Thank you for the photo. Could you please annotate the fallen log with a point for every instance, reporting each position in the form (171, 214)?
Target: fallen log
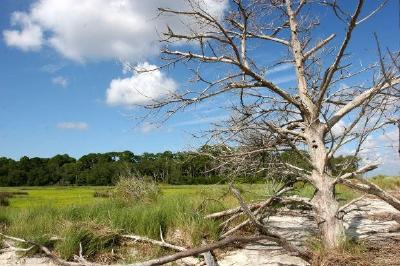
(202, 249)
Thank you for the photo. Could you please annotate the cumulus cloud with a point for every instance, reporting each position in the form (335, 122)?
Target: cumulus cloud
(140, 88)
(73, 125)
(98, 29)
(30, 35)
(60, 81)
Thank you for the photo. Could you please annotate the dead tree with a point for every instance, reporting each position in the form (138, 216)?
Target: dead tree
(267, 118)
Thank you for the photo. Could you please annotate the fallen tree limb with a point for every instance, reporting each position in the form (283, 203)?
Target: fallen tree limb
(208, 257)
(153, 241)
(370, 188)
(275, 237)
(47, 252)
(233, 211)
(264, 204)
(12, 248)
(342, 210)
(202, 249)
(284, 200)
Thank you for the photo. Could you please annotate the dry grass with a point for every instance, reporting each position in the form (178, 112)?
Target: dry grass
(360, 254)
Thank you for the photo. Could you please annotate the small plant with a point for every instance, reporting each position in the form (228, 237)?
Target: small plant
(4, 221)
(102, 194)
(4, 201)
(133, 189)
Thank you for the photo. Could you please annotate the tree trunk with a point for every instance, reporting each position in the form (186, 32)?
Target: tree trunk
(327, 207)
(325, 203)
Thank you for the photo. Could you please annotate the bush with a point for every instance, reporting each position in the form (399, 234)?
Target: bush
(136, 189)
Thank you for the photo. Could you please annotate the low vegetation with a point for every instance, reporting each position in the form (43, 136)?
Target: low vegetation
(131, 189)
(178, 213)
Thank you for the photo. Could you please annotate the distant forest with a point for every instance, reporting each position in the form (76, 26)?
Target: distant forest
(101, 169)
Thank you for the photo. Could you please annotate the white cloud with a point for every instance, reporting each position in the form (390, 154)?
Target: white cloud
(147, 127)
(52, 68)
(60, 81)
(383, 149)
(280, 68)
(98, 29)
(140, 88)
(30, 37)
(284, 79)
(73, 125)
(339, 128)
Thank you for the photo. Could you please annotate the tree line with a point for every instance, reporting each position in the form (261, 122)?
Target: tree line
(99, 169)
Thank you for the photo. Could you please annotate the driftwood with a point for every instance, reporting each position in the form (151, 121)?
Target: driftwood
(370, 188)
(202, 249)
(233, 211)
(262, 206)
(153, 241)
(208, 256)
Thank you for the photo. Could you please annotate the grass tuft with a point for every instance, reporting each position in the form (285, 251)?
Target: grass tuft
(94, 239)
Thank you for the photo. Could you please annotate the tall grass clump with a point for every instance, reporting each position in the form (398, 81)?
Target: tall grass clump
(92, 237)
(132, 189)
(4, 221)
(37, 224)
(4, 199)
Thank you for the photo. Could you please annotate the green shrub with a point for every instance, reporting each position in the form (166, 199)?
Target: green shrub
(136, 189)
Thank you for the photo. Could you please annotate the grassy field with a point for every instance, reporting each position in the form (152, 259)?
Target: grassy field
(74, 214)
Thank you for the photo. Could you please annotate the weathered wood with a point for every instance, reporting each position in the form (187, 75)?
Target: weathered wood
(363, 185)
(202, 249)
(153, 241)
(233, 211)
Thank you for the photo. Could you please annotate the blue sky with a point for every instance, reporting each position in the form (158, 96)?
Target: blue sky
(54, 79)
